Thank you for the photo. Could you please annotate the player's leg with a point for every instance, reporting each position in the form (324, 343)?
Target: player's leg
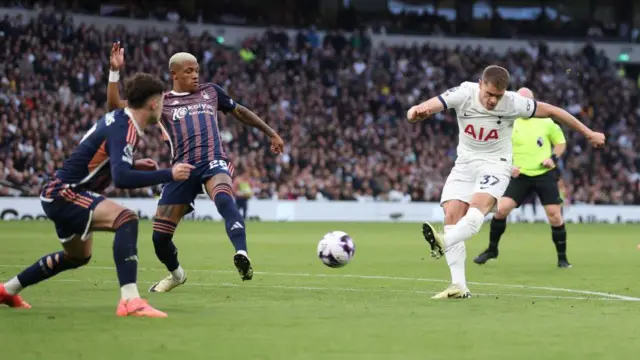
(76, 253)
(549, 194)
(518, 190)
(172, 207)
(72, 216)
(241, 203)
(455, 197)
(220, 189)
(109, 216)
(489, 186)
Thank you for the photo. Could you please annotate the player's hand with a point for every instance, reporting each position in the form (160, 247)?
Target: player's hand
(548, 163)
(277, 145)
(596, 139)
(418, 112)
(515, 172)
(145, 165)
(181, 171)
(117, 57)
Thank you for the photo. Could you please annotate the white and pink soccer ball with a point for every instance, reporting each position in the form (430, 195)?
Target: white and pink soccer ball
(336, 249)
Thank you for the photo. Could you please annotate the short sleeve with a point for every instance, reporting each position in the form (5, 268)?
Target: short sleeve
(524, 107)
(225, 102)
(455, 97)
(555, 134)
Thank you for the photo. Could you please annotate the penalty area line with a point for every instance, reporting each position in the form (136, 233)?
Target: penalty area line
(584, 293)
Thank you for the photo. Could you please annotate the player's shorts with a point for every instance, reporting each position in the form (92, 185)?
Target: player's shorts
(477, 176)
(185, 192)
(71, 212)
(545, 186)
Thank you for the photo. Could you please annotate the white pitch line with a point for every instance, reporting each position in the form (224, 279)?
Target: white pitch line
(394, 278)
(364, 290)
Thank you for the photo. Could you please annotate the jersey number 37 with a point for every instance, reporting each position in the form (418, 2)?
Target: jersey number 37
(480, 134)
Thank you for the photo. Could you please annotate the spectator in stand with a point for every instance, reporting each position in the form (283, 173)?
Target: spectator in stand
(340, 102)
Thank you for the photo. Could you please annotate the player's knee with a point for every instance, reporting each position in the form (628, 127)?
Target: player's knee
(452, 217)
(222, 195)
(126, 219)
(163, 228)
(555, 217)
(78, 261)
(501, 214)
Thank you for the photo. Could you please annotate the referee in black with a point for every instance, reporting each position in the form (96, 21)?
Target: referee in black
(535, 172)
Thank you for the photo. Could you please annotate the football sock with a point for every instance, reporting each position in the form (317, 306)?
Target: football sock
(559, 236)
(456, 257)
(125, 252)
(497, 228)
(468, 226)
(165, 249)
(234, 224)
(48, 266)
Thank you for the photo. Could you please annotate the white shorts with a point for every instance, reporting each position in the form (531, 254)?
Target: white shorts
(477, 176)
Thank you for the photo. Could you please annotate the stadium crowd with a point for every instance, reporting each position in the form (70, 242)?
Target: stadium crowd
(339, 103)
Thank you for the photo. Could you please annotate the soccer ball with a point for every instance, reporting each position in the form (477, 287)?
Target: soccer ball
(336, 249)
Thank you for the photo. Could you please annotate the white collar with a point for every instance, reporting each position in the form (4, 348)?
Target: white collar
(133, 120)
(179, 93)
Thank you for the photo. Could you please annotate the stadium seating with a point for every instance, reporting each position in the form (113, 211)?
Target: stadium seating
(341, 113)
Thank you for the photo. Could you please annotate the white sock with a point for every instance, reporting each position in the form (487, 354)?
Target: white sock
(468, 226)
(13, 286)
(178, 274)
(456, 257)
(129, 291)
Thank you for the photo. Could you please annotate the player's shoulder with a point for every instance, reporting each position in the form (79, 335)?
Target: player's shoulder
(121, 122)
(466, 87)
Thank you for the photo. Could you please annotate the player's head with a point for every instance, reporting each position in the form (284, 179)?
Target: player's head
(493, 84)
(185, 72)
(145, 94)
(525, 92)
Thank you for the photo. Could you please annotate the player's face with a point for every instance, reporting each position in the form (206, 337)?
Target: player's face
(490, 95)
(187, 75)
(155, 109)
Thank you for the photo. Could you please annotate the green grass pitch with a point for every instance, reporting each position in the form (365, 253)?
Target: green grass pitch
(377, 307)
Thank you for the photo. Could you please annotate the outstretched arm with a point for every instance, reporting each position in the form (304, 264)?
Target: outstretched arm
(248, 117)
(113, 93)
(547, 110)
(426, 109)
(450, 99)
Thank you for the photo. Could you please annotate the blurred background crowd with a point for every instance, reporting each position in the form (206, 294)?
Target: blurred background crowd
(338, 101)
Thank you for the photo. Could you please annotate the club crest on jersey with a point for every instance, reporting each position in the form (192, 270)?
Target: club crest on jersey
(205, 96)
(128, 154)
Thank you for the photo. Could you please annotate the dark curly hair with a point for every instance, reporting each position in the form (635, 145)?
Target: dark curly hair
(140, 87)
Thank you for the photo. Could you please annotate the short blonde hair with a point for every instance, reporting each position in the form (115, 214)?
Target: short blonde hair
(179, 58)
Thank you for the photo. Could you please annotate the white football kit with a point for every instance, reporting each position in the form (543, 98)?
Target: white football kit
(484, 148)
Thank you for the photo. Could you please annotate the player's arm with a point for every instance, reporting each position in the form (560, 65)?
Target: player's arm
(543, 110)
(122, 170)
(248, 117)
(450, 99)
(113, 93)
